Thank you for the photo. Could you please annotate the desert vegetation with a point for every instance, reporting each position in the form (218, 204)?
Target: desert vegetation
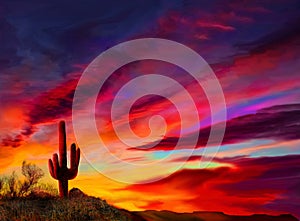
(29, 185)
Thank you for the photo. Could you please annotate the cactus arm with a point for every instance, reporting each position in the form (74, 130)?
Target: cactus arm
(71, 174)
(77, 157)
(55, 165)
(62, 145)
(74, 161)
(73, 156)
(51, 168)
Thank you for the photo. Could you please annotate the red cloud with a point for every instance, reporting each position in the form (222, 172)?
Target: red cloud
(214, 25)
(252, 186)
(53, 104)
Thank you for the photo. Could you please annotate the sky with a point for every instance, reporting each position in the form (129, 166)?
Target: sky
(253, 48)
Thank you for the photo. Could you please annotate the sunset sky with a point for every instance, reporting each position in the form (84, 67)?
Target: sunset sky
(253, 47)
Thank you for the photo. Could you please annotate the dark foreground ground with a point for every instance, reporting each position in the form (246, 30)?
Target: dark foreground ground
(81, 207)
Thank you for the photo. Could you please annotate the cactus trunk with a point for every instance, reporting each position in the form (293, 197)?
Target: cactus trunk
(63, 188)
(58, 167)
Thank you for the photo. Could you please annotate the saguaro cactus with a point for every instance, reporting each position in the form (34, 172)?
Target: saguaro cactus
(59, 169)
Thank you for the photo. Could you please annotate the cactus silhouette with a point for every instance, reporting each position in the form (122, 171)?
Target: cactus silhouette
(59, 169)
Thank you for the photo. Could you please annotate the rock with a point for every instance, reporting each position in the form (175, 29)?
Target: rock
(76, 193)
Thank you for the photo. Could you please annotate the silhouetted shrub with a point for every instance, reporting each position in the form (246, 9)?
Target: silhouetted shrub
(12, 187)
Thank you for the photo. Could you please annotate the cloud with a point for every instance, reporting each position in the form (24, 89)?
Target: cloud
(251, 185)
(43, 47)
(46, 54)
(16, 140)
(277, 123)
(53, 104)
(286, 34)
(11, 141)
(214, 25)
